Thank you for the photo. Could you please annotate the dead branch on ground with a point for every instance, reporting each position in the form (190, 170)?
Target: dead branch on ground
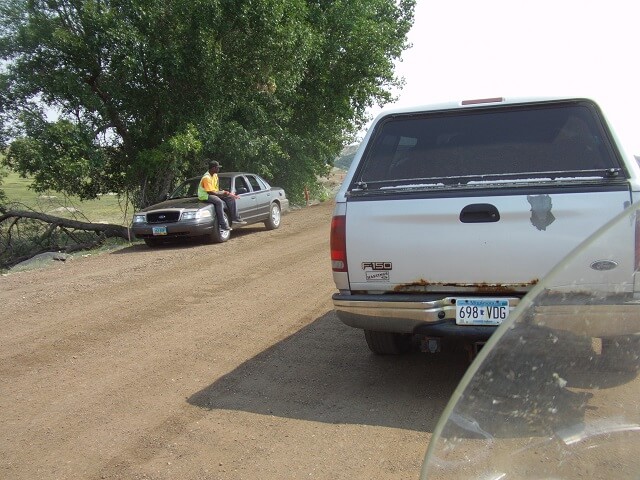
(25, 233)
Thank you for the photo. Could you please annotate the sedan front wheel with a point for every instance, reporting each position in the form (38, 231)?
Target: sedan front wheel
(152, 242)
(218, 235)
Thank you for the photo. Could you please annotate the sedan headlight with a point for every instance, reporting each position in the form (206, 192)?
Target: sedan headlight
(139, 218)
(195, 214)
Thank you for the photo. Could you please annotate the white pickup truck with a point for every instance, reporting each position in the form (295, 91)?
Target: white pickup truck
(450, 214)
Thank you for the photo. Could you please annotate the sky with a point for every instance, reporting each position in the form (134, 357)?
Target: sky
(465, 49)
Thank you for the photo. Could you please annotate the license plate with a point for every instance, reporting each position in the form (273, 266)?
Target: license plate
(159, 230)
(481, 311)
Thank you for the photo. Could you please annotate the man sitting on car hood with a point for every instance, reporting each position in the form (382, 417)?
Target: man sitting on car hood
(209, 191)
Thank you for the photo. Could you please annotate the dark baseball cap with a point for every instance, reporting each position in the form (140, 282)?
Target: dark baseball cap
(214, 163)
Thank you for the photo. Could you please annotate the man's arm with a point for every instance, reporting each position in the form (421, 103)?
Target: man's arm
(221, 193)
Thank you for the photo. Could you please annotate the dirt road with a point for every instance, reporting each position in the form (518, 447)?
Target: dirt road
(206, 362)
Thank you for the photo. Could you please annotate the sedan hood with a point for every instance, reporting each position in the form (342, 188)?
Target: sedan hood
(189, 202)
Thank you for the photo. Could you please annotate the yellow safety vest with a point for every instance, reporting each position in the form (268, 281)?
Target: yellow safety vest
(208, 183)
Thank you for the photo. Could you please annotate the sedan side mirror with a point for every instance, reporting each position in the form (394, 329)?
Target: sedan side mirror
(241, 190)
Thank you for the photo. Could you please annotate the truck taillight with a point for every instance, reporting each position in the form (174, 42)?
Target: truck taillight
(338, 241)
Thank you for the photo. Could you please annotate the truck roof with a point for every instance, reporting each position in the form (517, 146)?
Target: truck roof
(477, 102)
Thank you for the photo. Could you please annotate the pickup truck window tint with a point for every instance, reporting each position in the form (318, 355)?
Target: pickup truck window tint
(467, 146)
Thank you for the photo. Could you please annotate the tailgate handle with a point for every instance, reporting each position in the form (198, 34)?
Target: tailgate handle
(479, 213)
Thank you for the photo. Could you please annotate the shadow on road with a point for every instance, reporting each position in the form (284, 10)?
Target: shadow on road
(326, 373)
(187, 242)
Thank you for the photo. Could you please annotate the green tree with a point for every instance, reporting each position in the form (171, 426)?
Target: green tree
(127, 96)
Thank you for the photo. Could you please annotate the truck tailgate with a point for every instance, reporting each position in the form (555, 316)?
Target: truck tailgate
(435, 250)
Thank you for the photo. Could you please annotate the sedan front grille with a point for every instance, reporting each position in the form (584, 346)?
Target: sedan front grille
(163, 217)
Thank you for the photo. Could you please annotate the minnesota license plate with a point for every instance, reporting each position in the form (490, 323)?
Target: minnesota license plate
(159, 230)
(481, 311)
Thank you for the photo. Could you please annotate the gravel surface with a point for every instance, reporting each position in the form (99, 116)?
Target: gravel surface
(203, 361)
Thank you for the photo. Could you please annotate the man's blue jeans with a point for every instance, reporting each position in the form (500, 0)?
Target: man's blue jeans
(218, 205)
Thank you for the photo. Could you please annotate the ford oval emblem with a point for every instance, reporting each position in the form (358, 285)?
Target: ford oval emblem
(603, 265)
(162, 217)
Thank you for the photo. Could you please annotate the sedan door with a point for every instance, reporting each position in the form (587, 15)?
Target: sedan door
(263, 195)
(247, 203)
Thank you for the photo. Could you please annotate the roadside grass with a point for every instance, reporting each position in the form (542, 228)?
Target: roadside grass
(106, 209)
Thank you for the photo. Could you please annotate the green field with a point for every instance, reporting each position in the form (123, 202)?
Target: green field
(106, 209)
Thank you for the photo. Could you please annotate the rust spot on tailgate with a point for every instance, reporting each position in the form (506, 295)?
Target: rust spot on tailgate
(488, 288)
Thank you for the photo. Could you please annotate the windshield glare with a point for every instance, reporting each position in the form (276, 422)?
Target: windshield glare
(555, 392)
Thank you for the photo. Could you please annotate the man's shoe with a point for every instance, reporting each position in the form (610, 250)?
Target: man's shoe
(226, 229)
(239, 222)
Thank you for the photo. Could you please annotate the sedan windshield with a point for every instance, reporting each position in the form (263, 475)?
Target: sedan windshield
(186, 189)
(189, 188)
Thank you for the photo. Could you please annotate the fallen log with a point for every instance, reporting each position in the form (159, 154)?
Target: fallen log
(108, 230)
(48, 239)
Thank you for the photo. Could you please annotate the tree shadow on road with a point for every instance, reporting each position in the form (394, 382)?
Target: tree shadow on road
(326, 373)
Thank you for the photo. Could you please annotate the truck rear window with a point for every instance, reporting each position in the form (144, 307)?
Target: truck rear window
(541, 142)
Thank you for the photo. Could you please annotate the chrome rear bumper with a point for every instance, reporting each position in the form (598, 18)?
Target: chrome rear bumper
(400, 313)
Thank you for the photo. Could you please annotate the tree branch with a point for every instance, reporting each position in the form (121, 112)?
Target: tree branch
(108, 230)
(69, 227)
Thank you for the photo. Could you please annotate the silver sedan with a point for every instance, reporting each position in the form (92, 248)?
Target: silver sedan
(182, 215)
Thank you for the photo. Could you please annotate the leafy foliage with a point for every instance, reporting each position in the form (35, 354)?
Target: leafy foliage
(143, 91)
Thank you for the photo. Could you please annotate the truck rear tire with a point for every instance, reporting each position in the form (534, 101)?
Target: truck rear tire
(388, 343)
